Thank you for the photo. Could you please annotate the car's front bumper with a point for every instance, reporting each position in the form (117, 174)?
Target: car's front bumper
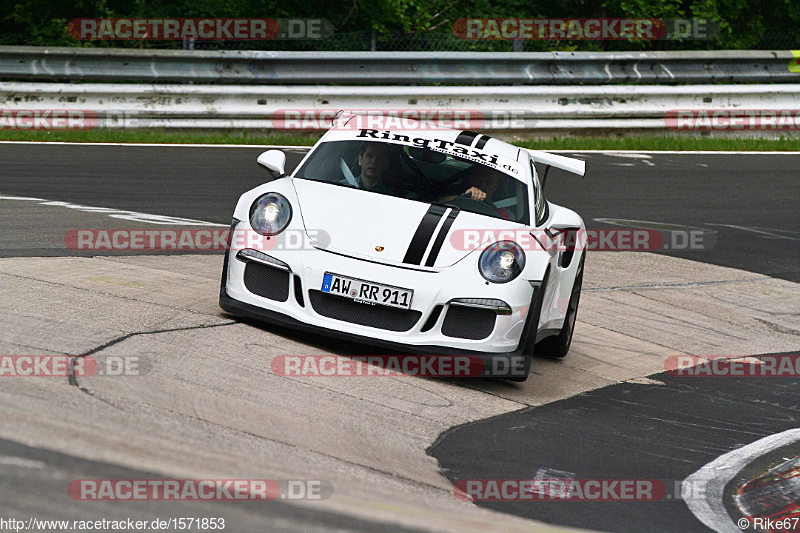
(501, 351)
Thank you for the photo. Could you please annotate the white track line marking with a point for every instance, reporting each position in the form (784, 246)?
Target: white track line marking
(120, 213)
(644, 381)
(649, 224)
(770, 233)
(710, 510)
(21, 462)
(631, 155)
(23, 198)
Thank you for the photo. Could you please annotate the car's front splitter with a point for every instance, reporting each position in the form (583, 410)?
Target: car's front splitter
(510, 365)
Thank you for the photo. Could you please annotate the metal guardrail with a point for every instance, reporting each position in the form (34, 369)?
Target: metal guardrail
(311, 107)
(401, 68)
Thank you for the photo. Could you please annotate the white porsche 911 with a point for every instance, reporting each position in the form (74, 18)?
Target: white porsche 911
(423, 241)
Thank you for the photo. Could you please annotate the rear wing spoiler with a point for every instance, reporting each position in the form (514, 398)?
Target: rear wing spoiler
(576, 166)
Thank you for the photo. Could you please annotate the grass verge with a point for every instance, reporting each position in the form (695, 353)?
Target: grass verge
(671, 143)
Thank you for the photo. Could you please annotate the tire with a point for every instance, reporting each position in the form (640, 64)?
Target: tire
(520, 379)
(557, 346)
(531, 328)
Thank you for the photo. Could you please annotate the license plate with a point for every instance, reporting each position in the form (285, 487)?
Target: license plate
(367, 292)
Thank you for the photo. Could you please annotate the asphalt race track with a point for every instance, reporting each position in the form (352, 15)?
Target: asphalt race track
(207, 405)
(663, 431)
(746, 204)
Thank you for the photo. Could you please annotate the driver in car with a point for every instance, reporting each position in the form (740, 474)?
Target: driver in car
(483, 184)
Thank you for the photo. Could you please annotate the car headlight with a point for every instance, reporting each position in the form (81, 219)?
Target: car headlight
(270, 214)
(502, 261)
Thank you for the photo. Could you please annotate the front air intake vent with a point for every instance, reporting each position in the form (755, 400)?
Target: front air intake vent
(468, 322)
(266, 281)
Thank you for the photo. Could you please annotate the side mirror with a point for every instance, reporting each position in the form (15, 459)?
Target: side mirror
(564, 219)
(274, 161)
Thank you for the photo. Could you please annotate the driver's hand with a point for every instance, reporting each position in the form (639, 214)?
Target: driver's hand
(476, 194)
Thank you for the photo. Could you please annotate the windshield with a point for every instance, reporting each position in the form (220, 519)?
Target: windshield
(418, 174)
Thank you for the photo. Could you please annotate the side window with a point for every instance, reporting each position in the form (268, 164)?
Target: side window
(538, 196)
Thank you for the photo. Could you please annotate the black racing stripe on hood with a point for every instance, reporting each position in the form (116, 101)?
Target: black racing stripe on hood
(466, 138)
(437, 244)
(421, 238)
(482, 142)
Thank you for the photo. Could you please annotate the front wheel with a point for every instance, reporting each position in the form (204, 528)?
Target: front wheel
(528, 338)
(558, 345)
